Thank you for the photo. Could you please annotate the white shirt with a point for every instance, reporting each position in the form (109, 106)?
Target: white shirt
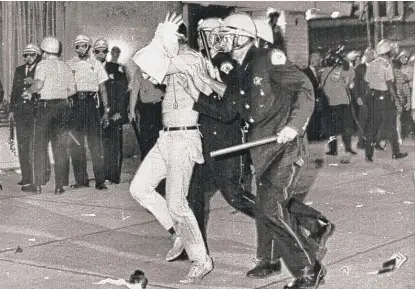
(57, 78)
(88, 73)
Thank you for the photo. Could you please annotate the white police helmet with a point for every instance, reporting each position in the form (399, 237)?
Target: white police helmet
(32, 48)
(100, 43)
(383, 47)
(82, 39)
(50, 44)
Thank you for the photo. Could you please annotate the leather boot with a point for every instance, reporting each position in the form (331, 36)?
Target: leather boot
(264, 269)
(311, 276)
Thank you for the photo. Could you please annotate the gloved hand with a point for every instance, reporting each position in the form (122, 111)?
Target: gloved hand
(287, 134)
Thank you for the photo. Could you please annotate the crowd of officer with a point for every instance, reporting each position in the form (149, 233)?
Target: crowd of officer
(238, 88)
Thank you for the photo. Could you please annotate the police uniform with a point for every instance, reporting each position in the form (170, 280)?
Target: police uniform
(359, 91)
(221, 130)
(380, 106)
(52, 119)
(24, 118)
(88, 74)
(281, 96)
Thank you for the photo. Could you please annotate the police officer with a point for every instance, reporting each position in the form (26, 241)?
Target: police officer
(115, 54)
(21, 112)
(90, 77)
(223, 173)
(380, 100)
(54, 83)
(116, 87)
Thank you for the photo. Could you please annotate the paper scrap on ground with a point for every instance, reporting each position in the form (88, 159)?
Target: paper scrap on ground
(345, 270)
(359, 206)
(32, 240)
(124, 217)
(408, 202)
(18, 171)
(394, 262)
(365, 174)
(379, 191)
(88, 215)
(333, 165)
(309, 203)
(119, 282)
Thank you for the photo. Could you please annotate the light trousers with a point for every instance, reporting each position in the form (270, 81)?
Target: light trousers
(173, 157)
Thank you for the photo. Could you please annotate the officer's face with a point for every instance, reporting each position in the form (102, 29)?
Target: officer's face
(82, 49)
(101, 54)
(30, 58)
(115, 55)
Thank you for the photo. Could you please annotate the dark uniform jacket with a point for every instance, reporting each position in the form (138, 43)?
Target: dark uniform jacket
(281, 95)
(220, 119)
(20, 84)
(117, 86)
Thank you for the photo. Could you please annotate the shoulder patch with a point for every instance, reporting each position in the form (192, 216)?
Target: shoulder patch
(120, 69)
(226, 67)
(278, 57)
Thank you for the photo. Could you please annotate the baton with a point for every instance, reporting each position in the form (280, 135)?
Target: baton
(205, 45)
(244, 146)
(74, 138)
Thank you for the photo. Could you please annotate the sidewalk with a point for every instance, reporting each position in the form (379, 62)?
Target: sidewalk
(83, 236)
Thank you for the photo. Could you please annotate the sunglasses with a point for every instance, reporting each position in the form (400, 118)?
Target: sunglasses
(79, 46)
(26, 55)
(98, 51)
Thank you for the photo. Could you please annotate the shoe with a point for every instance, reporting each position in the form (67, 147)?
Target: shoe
(32, 189)
(59, 190)
(351, 151)
(1, 187)
(264, 269)
(360, 145)
(378, 147)
(23, 183)
(311, 277)
(78, 185)
(198, 271)
(176, 250)
(399, 156)
(101, 186)
(369, 159)
(331, 153)
(321, 237)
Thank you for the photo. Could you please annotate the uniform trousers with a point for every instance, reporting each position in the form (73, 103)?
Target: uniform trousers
(113, 156)
(24, 134)
(52, 122)
(341, 122)
(173, 157)
(276, 223)
(86, 123)
(381, 121)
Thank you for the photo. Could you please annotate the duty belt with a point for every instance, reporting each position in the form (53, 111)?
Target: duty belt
(85, 94)
(175, 128)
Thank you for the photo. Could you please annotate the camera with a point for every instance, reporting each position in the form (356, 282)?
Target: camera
(333, 57)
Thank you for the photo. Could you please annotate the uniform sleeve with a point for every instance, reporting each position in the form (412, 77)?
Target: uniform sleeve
(14, 95)
(40, 73)
(303, 106)
(102, 74)
(71, 89)
(389, 73)
(220, 109)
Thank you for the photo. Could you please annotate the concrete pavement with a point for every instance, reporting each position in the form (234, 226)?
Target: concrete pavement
(83, 236)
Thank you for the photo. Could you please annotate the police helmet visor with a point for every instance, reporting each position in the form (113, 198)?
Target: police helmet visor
(81, 46)
(27, 55)
(101, 51)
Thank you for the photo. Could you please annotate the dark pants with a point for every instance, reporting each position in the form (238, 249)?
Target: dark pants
(52, 122)
(279, 216)
(381, 121)
(113, 141)
(86, 123)
(341, 122)
(223, 174)
(24, 134)
(363, 121)
(150, 125)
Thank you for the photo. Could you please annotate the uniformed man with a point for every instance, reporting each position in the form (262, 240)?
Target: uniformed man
(223, 173)
(178, 148)
(90, 77)
(115, 54)
(21, 112)
(380, 100)
(54, 83)
(116, 87)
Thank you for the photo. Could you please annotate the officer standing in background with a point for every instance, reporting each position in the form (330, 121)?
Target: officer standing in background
(380, 100)
(116, 87)
(53, 84)
(146, 97)
(90, 77)
(115, 54)
(21, 112)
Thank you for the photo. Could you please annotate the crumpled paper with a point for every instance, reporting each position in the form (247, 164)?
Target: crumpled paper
(119, 282)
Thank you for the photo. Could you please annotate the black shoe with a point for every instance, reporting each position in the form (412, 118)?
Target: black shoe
(311, 278)
(78, 185)
(378, 147)
(59, 190)
(399, 156)
(369, 159)
(32, 189)
(264, 269)
(1, 187)
(329, 153)
(23, 183)
(360, 145)
(351, 151)
(101, 186)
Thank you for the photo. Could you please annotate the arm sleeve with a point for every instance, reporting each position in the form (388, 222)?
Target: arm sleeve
(221, 110)
(389, 74)
(40, 73)
(102, 74)
(70, 82)
(303, 107)
(13, 95)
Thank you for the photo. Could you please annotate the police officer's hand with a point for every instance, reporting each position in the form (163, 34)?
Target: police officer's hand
(131, 117)
(105, 120)
(116, 116)
(11, 117)
(359, 101)
(407, 106)
(287, 134)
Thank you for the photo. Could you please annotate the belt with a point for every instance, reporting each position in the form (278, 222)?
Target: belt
(85, 94)
(173, 128)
